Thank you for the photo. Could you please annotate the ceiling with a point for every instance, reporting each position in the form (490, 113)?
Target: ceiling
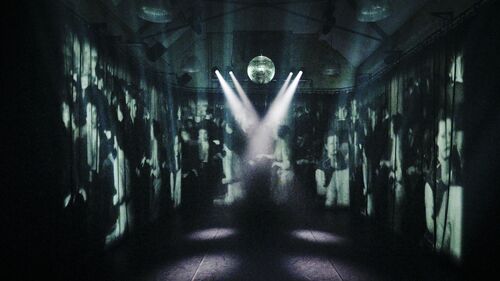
(354, 40)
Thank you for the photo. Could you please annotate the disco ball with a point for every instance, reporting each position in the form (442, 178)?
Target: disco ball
(261, 70)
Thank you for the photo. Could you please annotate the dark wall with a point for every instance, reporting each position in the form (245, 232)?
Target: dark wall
(32, 166)
(482, 178)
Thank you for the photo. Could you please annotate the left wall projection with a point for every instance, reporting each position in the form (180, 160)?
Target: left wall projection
(116, 135)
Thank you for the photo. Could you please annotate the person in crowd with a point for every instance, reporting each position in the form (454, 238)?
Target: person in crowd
(232, 165)
(154, 162)
(370, 148)
(207, 165)
(443, 196)
(135, 150)
(190, 169)
(105, 213)
(413, 224)
(381, 157)
(304, 163)
(176, 173)
(282, 173)
(121, 176)
(93, 136)
(397, 192)
(332, 175)
(356, 151)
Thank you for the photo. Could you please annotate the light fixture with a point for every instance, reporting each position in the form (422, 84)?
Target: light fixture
(373, 10)
(261, 70)
(331, 68)
(156, 11)
(191, 64)
(213, 72)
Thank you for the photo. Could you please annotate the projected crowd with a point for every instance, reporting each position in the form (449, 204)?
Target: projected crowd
(136, 149)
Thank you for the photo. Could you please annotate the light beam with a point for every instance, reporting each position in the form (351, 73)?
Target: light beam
(244, 98)
(235, 104)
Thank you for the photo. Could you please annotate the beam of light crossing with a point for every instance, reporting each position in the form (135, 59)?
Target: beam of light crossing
(261, 142)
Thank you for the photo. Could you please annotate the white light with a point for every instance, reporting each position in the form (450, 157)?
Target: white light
(235, 105)
(262, 140)
(250, 110)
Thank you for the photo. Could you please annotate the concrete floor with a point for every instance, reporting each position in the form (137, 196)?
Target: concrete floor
(265, 242)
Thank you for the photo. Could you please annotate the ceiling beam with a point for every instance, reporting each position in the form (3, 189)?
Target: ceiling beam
(279, 8)
(209, 18)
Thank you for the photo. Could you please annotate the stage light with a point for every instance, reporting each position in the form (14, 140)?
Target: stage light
(373, 10)
(156, 11)
(213, 72)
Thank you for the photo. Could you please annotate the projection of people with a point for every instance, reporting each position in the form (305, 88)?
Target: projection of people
(304, 163)
(356, 153)
(121, 179)
(282, 175)
(176, 174)
(332, 175)
(154, 167)
(232, 165)
(76, 58)
(370, 148)
(102, 195)
(190, 190)
(207, 165)
(67, 174)
(282, 172)
(413, 221)
(303, 149)
(381, 158)
(93, 137)
(395, 166)
(443, 196)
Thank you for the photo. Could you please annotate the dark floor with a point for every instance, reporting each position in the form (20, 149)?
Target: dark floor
(265, 242)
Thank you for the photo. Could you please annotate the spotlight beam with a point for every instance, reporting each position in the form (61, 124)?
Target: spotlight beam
(281, 103)
(244, 98)
(235, 104)
(261, 142)
(281, 92)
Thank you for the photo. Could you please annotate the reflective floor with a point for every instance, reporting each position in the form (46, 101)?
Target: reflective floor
(266, 242)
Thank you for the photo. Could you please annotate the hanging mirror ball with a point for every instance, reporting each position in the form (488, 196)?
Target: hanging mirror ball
(261, 70)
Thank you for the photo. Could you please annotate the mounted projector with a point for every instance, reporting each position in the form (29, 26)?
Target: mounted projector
(156, 11)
